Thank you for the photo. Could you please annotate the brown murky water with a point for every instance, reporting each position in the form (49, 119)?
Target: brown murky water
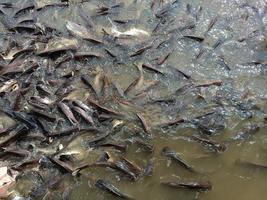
(238, 103)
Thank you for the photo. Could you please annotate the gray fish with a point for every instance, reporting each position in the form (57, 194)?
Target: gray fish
(105, 185)
(81, 32)
(166, 151)
(68, 113)
(83, 114)
(200, 186)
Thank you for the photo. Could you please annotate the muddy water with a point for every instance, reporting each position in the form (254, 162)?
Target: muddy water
(239, 102)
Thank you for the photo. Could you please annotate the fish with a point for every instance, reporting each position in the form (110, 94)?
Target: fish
(9, 86)
(56, 45)
(246, 132)
(82, 54)
(21, 117)
(120, 147)
(107, 186)
(14, 134)
(68, 113)
(165, 9)
(86, 18)
(137, 82)
(133, 32)
(145, 126)
(195, 38)
(162, 59)
(125, 169)
(102, 108)
(216, 146)
(83, 106)
(83, 114)
(151, 68)
(86, 80)
(148, 171)
(200, 186)
(145, 145)
(250, 164)
(222, 62)
(210, 83)
(65, 132)
(43, 114)
(211, 24)
(40, 5)
(141, 50)
(176, 121)
(168, 152)
(134, 167)
(63, 166)
(81, 32)
(93, 142)
(14, 152)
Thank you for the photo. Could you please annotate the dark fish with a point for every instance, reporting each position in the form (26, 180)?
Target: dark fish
(132, 85)
(82, 105)
(250, 164)
(145, 145)
(148, 171)
(192, 37)
(120, 147)
(96, 140)
(22, 117)
(104, 185)
(4, 131)
(246, 132)
(216, 146)
(86, 18)
(53, 4)
(188, 8)
(68, 113)
(198, 13)
(124, 168)
(151, 68)
(19, 131)
(165, 9)
(82, 54)
(210, 83)
(141, 50)
(105, 87)
(86, 80)
(14, 152)
(174, 70)
(218, 43)
(211, 24)
(111, 53)
(82, 32)
(200, 186)
(65, 132)
(163, 58)
(63, 166)
(145, 126)
(43, 126)
(222, 62)
(166, 151)
(66, 194)
(25, 163)
(43, 114)
(83, 114)
(201, 52)
(102, 108)
(27, 5)
(178, 120)
(134, 167)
